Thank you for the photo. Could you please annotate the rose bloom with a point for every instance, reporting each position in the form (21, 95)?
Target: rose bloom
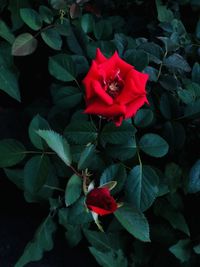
(114, 89)
(100, 201)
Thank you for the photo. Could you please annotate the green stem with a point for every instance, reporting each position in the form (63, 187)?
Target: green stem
(139, 158)
(39, 152)
(44, 29)
(161, 65)
(75, 171)
(54, 188)
(77, 84)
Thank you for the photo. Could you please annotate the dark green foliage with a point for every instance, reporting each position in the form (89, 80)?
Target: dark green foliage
(46, 49)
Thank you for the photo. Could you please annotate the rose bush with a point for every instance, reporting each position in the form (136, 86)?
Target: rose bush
(114, 89)
(62, 158)
(100, 201)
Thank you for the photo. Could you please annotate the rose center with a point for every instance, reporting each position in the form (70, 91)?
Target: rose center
(114, 85)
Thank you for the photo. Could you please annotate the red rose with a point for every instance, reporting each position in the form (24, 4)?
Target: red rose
(114, 89)
(100, 201)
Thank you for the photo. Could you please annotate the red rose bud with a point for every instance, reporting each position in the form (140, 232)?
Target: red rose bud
(114, 89)
(100, 201)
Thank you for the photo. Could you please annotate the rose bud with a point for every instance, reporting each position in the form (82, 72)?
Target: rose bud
(100, 201)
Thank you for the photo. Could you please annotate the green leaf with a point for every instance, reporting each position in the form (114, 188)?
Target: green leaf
(37, 123)
(197, 249)
(138, 58)
(116, 173)
(153, 145)
(81, 132)
(62, 67)
(52, 38)
(186, 96)
(192, 110)
(173, 174)
(117, 135)
(58, 4)
(175, 135)
(63, 27)
(168, 82)
(46, 14)
(134, 222)
(31, 18)
(104, 241)
(46, 191)
(109, 258)
(143, 118)
(124, 151)
(57, 143)
(9, 82)
(194, 178)
(76, 40)
(181, 250)
(102, 30)
(153, 73)
(87, 156)
(6, 33)
(74, 215)
(176, 62)
(42, 242)
(142, 187)
(198, 29)
(66, 97)
(14, 8)
(172, 215)
(11, 152)
(87, 23)
(81, 64)
(74, 11)
(154, 51)
(196, 72)
(73, 190)
(36, 172)
(164, 14)
(73, 235)
(25, 44)
(16, 176)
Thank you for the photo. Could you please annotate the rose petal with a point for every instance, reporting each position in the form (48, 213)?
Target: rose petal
(118, 120)
(133, 107)
(100, 201)
(93, 74)
(101, 211)
(122, 65)
(98, 91)
(134, 87)
(100, 58)
(99, 108)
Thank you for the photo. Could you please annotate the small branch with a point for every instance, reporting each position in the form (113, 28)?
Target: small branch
(127, 167)
(54, 188)
(77, 84)
(139, 158)
(161, 65)
(75, 171)
(44, 29)
(39, 152)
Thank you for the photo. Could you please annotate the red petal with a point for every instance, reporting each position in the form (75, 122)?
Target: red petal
(100, 211)
(134, 87)
(118, 120)
(99, 92)
(133, 107)
(99, 108)
(91, 75)
(100, 58)
(122, 65)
